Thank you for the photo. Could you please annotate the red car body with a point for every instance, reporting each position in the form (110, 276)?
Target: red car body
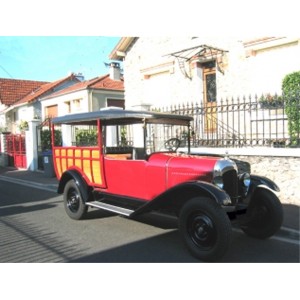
(146, 179)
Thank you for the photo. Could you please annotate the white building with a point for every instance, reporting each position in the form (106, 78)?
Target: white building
(161, 71)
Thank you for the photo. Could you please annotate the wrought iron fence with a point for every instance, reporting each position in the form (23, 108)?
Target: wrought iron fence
(240, 122)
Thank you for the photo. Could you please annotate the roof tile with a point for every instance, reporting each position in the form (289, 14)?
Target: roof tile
(101, 83)
(12, 90)
(44, 89)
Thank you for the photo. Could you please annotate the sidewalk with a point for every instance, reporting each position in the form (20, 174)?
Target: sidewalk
(29, 178)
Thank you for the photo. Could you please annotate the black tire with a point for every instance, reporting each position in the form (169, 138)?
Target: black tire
(205, 228)
(264, 215)
(73, 203)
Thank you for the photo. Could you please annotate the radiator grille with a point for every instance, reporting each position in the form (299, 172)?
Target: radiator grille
(230, 180)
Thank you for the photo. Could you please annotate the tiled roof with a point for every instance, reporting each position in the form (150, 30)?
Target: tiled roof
(44, 89)
(100, 83)
(107, 83)
(12, 90)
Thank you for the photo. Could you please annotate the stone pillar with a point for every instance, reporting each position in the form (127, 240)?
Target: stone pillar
(66, 134)
(3, 152)
(31, 145)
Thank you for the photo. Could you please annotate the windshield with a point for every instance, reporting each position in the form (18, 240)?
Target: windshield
(161, 137)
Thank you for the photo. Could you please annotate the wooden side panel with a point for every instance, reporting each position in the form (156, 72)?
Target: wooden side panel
(87, 160)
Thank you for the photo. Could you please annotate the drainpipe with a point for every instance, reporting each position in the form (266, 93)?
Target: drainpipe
(90, 100)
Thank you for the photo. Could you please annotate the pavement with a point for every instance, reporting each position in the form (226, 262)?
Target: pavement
(35, 179)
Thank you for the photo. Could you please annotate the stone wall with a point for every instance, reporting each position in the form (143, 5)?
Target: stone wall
(284, 171)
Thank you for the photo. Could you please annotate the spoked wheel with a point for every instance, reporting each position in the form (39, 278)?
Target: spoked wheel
(205, 229)
(74, 205)
(264, 215)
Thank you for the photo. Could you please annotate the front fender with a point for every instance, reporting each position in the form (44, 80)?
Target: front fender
(80, 182)
(263, 181)
(175, 197)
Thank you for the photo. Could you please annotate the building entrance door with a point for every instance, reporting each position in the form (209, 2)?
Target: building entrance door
(210, 96)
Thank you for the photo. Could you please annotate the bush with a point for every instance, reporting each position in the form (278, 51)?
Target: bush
(291, 90)
(46, 139)
(86, 137)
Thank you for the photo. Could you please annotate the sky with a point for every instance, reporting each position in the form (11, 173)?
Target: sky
(49, 58)
(47, 43)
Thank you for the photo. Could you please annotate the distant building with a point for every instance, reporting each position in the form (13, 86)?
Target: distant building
(85, 96)
(11, 91)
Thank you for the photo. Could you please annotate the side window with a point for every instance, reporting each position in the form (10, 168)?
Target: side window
(124, 141)
(123, 135)
(79, 135)
(111, 136)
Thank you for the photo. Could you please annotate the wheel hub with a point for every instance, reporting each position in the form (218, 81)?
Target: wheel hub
(73, 201)
(202, 231)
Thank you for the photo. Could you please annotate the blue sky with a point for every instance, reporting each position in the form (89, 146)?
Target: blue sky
(49, 58)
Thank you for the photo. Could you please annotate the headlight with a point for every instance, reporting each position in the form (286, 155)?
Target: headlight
(218, 181)
(245, 179)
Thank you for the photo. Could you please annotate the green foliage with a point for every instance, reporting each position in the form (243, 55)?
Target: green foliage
(291, 83)
(86, 137)
(3, 129)
(123, 136)
(23, 125)
(291, 90)
(269, 101)
(46, 139)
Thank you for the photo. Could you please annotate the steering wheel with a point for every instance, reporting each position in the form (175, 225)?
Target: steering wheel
(172, 144)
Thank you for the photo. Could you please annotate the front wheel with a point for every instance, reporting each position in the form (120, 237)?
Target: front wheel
(73, 203)
(205, 228)
(264, 215)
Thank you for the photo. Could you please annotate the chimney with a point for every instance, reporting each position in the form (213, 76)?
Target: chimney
(79, 76)
(114, 71)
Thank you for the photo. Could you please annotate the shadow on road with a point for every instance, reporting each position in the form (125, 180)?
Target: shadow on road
(167, 247)
(22, 241)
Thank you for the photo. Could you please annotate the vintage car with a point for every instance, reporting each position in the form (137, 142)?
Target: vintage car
(129, 163)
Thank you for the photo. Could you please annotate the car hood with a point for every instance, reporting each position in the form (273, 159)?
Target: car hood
(184, 167)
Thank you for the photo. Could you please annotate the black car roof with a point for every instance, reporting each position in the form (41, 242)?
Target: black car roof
(119, 116)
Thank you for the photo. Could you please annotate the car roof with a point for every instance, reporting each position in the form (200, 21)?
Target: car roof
(120, 117)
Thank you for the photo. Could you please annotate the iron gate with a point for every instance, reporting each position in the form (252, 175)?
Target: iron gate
(16, 150)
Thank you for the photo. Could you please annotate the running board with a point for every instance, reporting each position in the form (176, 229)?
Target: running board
(116, 209)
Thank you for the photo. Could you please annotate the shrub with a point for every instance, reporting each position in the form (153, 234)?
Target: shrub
(46, 139)
(291, 91)
(86, 137)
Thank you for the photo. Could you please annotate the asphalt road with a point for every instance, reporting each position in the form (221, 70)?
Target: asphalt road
(35, 228)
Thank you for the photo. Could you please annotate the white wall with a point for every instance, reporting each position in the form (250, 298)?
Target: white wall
(153, 78)
(61, 102)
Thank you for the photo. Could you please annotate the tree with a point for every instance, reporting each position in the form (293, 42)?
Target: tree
(291, 91)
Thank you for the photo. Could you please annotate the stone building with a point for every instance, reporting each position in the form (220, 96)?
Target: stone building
(163, 71)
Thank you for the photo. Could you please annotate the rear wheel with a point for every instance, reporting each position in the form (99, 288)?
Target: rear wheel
(264, 215)
(73, 203)
(205, 228)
